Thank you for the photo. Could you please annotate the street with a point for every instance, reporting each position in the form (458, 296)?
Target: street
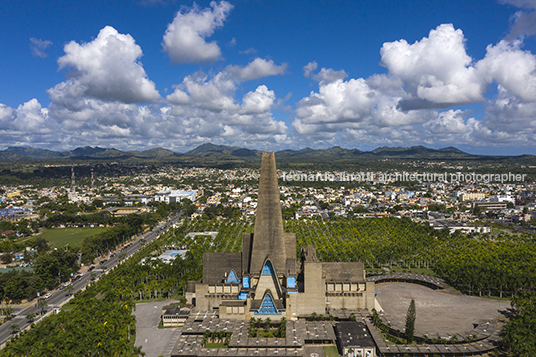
(59, 296)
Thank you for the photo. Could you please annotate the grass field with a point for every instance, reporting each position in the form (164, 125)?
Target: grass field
(59, 237)
(331, 351)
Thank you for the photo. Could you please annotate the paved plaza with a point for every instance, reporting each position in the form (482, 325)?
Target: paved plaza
(154, 341)
(437, 312)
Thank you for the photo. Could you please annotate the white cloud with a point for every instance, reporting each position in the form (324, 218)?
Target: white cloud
(27, 125)
(329, 75)
(178, 97)
(248, 51)
(184, 39)
(39, 46)
(6, 115)
(510, 67)
(527, 4)
(448, 122)
(217, 93)
(523, 21)
(258, 68)
(105, 69)
(259, 101)
(338, 101)
(436, 70)
(309, 67)
(326, 75)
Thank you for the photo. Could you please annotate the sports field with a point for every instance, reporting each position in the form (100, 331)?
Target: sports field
(59, 237)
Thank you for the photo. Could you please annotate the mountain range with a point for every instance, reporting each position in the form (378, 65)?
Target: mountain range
(208, 152)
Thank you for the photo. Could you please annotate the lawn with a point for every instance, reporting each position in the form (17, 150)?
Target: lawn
(331, 351)
(59, 237)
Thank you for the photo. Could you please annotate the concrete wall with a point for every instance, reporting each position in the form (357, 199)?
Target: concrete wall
(313, 299)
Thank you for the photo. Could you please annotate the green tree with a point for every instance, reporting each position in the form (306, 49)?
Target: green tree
(30, 316)
(70, 289)
(14, 328)
(6, 258)
(410, 322)
(42, 304)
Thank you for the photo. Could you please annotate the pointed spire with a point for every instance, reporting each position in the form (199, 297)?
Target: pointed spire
(268, 240)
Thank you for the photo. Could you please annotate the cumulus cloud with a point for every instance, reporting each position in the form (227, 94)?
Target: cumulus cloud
(39, 47)
(27, 125)
(248, 51)
(435, 70)
(184, 39)
(511, 67)
(107, 69)
(523, 21)
(309, 67)
(407, 104)
(448, 122)
(326, 75)
(216, 93)
(337, 101)
(258, 68)
(510, 116)
(259, 101)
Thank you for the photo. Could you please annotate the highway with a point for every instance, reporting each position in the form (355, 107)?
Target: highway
(58, 296)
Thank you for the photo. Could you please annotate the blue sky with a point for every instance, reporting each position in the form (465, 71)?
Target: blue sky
(138, 74)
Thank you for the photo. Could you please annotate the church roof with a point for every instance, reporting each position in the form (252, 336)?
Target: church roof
(343, 271)
(218, 266)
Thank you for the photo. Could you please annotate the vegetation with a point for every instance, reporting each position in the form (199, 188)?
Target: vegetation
(518, 335)
(331, 351)
(50, 269)
(269, 330)
(380, 243)
(410, 322)
(216, 339)
(60, 237)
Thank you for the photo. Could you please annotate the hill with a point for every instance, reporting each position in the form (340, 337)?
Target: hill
(209, 154)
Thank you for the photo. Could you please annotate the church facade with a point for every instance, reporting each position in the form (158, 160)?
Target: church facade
(267, 280)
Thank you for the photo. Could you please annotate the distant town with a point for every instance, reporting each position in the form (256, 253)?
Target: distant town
(456, 205)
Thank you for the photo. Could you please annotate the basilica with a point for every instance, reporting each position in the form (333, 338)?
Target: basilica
(267, 279)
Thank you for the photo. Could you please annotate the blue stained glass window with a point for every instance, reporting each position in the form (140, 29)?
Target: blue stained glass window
(267, 306)
(245, 282)
(232, 278)
(291, 282)
(268, 269)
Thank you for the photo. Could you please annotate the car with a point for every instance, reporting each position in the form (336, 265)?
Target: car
(91, 268)
(48, 295)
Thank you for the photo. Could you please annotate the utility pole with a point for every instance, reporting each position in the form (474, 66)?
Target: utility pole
(72, 179)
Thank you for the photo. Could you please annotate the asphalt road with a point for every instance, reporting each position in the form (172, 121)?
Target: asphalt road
(58, 296)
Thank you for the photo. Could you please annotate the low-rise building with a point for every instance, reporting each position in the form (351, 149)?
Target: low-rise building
(354, 340)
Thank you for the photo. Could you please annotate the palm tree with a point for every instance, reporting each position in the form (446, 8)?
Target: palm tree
(14, 328)
(30, 316)
(70, 289)
(41, 303)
